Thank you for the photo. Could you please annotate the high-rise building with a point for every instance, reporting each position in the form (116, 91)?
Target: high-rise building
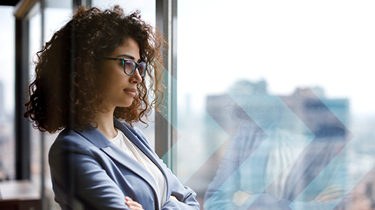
(277, 141)
(309, 105)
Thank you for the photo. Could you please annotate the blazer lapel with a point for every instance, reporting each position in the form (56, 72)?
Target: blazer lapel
(100, 141)
(116, 153)
(138, 141)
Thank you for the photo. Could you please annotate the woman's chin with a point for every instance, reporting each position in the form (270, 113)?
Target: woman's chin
(125, 105)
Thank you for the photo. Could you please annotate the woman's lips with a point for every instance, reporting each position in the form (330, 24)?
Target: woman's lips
(131, 91)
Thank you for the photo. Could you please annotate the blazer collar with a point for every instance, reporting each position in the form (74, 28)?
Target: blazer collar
(94, 136)
(99, 140)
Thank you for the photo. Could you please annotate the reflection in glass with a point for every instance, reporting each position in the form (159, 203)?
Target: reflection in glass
(292, 128)
(282, 151)
(281, 145)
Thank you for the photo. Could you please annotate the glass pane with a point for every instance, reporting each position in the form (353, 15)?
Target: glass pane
(275, 106)
(57, 14)
(7, 51)
(54, 19)
(35, 44)
(147, 8)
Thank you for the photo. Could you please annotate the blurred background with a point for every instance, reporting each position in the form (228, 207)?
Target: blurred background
(270, 103)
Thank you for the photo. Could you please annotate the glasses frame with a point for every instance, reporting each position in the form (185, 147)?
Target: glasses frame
(123, 65)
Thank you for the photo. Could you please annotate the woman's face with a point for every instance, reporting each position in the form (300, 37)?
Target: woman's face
(118, 88)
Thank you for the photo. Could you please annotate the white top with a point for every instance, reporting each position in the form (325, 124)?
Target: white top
(133, 151)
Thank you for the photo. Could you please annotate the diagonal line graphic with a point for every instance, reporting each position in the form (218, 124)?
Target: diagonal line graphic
(336, 173)
(339, 107)
(329, 141)
(331, 137)
(200, 180)
(209, 168)
(313, 120)
(263, 109)
(190, 141)
(321, 135)
(367, 179)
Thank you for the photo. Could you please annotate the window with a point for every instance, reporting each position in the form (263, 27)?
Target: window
(147, 8)
(56, 14)
(7, 162)
(275, 103)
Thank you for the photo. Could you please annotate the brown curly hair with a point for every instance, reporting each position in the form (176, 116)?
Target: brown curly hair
(64, 92)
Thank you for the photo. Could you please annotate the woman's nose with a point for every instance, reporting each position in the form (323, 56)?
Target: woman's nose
(137, 78)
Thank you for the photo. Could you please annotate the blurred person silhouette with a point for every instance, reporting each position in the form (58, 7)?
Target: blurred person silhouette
(89, 76)
(275, 161)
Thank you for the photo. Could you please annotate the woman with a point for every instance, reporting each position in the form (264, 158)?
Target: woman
(88, 77)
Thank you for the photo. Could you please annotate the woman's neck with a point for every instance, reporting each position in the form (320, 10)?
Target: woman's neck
(105, 124)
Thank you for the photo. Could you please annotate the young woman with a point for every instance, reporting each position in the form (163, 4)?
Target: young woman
(89, 76)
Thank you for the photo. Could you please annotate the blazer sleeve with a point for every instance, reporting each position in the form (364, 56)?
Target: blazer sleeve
(185, 195)
(78, 178)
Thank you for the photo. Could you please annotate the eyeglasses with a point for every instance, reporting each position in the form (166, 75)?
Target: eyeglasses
(129, 66)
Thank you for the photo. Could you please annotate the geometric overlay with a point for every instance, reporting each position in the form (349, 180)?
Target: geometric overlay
(273, 152)
(275, 124)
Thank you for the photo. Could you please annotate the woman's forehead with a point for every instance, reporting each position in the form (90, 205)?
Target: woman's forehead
(128, 48)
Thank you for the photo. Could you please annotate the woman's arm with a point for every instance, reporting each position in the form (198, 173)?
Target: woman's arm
(78, 179)
(185, 197)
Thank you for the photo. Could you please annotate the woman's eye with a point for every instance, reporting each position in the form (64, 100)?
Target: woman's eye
(129, 64)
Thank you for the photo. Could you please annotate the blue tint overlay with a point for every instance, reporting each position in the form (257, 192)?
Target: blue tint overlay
(286, 154)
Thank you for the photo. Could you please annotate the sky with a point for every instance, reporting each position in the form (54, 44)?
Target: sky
(289, 44)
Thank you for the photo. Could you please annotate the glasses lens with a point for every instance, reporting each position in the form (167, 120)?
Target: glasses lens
(142, 68)
(129, 66)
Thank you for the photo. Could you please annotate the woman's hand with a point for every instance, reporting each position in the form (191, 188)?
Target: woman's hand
(132, 204)
(173, 198)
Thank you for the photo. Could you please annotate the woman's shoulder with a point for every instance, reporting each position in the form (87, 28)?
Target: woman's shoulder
(68, 136)
(70, 140)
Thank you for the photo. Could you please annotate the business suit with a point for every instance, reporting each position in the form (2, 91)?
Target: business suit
(88, 170)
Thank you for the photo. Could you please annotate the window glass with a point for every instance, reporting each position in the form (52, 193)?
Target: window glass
(147, 9)
(56, 14)
(35, 43)
(7, 52)
(275, 105)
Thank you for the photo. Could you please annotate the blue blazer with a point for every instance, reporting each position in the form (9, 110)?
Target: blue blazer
(90, 172)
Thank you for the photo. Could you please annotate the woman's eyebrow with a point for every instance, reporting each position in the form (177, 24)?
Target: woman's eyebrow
(126, 55)
(129, 56)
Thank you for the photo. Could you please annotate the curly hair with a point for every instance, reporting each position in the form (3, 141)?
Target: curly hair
(64, 92)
